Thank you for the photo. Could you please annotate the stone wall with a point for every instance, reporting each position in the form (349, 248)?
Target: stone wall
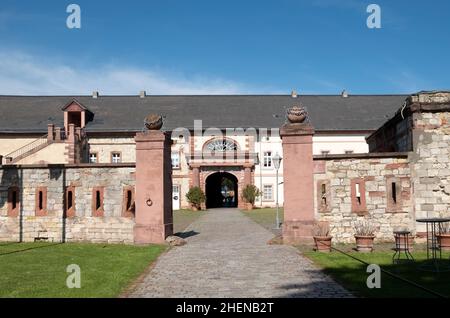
(112, 227)
(431, 164)
(336, 192)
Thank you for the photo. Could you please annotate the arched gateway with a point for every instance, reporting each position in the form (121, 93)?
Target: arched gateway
(221, 190)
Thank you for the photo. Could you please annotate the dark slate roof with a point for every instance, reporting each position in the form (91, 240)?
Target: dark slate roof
(126, 113)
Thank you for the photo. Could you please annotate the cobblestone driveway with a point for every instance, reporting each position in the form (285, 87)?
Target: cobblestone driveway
(227, 256)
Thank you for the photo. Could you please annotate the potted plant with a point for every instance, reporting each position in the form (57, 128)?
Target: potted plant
(250, 193)
(322, 237)
(196, 197)
(365, 234)
(444, 237)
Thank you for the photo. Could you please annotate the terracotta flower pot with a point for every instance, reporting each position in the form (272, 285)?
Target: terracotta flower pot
(444, 241)
(364, 243)
(195, 207)
(248, 206)
(323, 243)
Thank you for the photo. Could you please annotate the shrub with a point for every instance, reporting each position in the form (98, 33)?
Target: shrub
(195, 196)
(365, 228)
(321, 229)
(250, 193)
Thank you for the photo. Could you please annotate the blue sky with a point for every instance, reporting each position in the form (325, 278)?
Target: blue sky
(223, 47)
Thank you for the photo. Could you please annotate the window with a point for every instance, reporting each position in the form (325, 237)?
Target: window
(323, 195)
(128, 202)
(41, 201)
(13, 202)
(325, 152)
(97, 202)
(116, 157)
(70, 202)
(394, 195)
(394, 192)
(267, 159)
(70, 199)
(323, 191)
(358, 193)
(358, 196)
(221, 145)
(267, 192)
(175, 160)
(348, 152)
(93, 157)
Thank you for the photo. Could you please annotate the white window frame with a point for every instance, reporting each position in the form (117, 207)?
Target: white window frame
(264, 197)
(91, 154)
(267, 159)
(114, 156)
(177, 156)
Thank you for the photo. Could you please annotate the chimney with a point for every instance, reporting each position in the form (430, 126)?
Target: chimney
(95, 94)
(294, 94)
(344, 94)
(142, 94)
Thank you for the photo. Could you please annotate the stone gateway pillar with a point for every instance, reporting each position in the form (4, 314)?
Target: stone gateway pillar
(154, 220)
(298, 176)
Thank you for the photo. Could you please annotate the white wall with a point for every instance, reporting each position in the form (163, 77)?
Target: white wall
(267, 175)
(340, 144)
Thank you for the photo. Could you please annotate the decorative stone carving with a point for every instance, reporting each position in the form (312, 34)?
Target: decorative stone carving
(153, 122)
(297, 114)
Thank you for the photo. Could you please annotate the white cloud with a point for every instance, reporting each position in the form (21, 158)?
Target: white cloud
(23, 74)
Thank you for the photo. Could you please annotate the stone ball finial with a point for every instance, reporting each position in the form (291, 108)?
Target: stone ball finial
(153, 122)
(297, 114)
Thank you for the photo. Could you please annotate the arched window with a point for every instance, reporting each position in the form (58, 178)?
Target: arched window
(221, 145)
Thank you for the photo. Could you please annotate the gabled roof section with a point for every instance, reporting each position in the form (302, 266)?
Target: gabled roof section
(77, 104)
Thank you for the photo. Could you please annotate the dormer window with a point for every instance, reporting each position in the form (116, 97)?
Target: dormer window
(77, 114)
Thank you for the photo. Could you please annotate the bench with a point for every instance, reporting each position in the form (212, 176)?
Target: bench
(42, 236)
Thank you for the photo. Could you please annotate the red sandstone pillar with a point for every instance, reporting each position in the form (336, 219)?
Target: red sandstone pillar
(298, 182)
(58, 134)
(70, 144)
(195, 176)
(50, 132)
(247, 175)
(154, 221)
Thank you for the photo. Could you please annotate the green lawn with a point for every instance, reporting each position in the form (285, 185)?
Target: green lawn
(39, 269)
(265, 217)
(183, 218)
(352, 274)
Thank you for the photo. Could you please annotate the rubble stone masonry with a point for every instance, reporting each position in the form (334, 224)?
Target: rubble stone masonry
(339, 201)
(430, 165)
(113, 227)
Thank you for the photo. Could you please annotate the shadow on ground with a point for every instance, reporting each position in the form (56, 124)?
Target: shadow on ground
(28, 249)
(416, 283)
(187, 234)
